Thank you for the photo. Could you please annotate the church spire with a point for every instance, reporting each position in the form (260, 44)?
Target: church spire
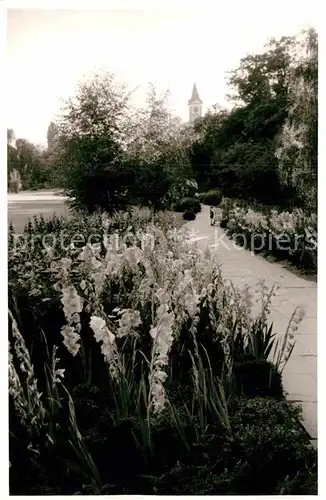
(194, 96)
(195, 105)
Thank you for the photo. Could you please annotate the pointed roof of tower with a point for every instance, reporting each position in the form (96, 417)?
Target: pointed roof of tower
(194, 95)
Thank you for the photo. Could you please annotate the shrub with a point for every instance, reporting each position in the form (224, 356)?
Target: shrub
(269, 453)
(286, 235)
(188, 205)
(14, 187)
(298, 485)
(200, 196)
(226, 206)
(258, 378)
(213, 197)
(189, 215)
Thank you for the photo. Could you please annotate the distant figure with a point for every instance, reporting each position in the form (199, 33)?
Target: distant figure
(212, 215)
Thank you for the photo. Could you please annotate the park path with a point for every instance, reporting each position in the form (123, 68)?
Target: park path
(241, 267)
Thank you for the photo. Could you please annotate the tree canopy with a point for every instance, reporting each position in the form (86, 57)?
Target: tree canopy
(111, 155)
(249, 151)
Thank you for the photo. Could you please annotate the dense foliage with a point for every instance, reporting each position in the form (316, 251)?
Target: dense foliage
(297, 144)
(213, 197)
(112, 155)
(106, 153)
(286, 235)
(189, 215)
(265, 148)
(135, 368)
(28, 166)
(188, 204)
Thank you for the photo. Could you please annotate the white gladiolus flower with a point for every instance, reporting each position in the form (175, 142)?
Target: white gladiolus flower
(89, 254)
(101, 331)
(59, 375)
(15, 387)
(163, 296)
(71, 338)
(97, 324)
(112, 263)
(133, 255)
(162, 335)
(160, 361)
(72, 302)
(191, 301)
(129, 320)
(86, 254)
(147, 243)
(61, 267)
(108, 347)
(96, 264)
(161, 331)
(160, 376)
(158, 397)
(105, 222)
(28, 405)
(66, 263)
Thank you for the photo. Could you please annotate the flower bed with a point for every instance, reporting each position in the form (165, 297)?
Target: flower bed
(286, 235)
(135, 369)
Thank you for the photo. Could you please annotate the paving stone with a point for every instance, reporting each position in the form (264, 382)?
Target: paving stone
(286, 309)
(300, 365)
(306, 345)
(309, 413)
(300, 387)
(314, 443)
(280, 323)
(308, 326)
(312, 362)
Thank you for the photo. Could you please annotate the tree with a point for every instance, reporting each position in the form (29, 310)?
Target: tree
(11, 139)
(32, 166)
(92, 133)
(52, 135)
(262, 76)
(28, 163)
(236, 149)
(297, 142)
(13, 174)
(16, 168)
(159, 150)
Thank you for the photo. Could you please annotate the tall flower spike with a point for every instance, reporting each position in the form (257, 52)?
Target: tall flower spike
(108, 347)
(72, 302)
(162, 335)
(71, 338)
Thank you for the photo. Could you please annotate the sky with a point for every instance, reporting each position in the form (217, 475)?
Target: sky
(49, 51)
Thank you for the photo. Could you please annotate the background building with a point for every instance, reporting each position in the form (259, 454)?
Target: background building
(195, 105)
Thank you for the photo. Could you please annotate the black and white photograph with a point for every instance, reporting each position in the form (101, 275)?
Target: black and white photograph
(162, 248)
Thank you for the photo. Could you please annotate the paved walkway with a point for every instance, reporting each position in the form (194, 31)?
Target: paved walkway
(35, 196)
(238, 265)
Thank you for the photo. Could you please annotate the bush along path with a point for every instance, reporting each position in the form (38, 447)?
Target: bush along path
(242, 267)
(135, 368)
(288, 236)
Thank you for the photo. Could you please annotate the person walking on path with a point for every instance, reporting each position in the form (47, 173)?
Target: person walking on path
(212, 215)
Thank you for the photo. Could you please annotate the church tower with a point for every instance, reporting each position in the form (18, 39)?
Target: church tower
(195, 105)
